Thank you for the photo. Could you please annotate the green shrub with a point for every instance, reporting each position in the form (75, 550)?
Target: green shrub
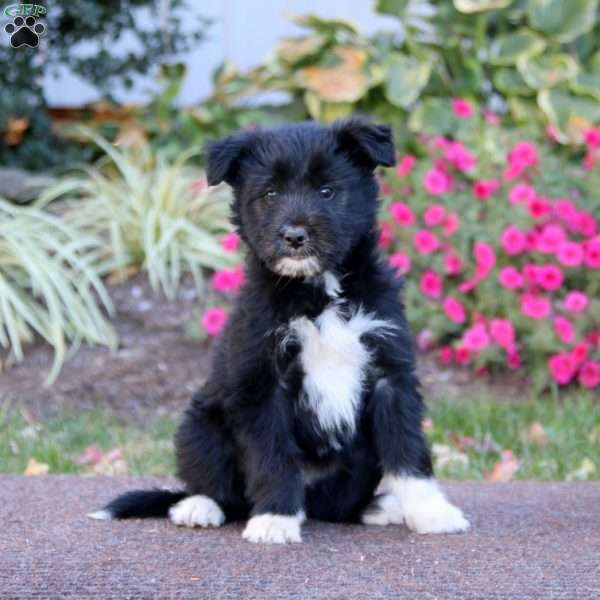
(49, 284)
(541, 57)
(152, 214)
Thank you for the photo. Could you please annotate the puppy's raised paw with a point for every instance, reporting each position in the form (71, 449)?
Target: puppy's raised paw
(274, 529)
(197, 511)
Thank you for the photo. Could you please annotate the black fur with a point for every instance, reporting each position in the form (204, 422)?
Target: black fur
(248, 440)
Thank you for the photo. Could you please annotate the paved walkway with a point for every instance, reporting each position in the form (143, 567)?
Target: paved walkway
(529, 540)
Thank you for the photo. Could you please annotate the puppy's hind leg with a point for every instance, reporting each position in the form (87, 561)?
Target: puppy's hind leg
(206, 463)
(408, 493)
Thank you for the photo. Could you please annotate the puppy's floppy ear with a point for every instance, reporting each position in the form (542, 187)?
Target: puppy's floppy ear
(366, 142)
(223, 157)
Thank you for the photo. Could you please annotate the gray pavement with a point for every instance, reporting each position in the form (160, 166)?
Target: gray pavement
(529, 540)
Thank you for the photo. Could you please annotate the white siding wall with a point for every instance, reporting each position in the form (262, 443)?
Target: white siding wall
(243, 31)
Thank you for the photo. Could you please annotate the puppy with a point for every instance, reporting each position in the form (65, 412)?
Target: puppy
(312, 408)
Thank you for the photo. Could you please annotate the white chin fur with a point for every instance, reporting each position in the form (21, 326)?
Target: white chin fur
(197, 511)
(274, 529)
(417, 502)
(298, 267)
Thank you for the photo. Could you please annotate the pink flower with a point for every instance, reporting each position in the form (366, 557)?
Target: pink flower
(446, 354)
(485, 257)
(510, 278)
(425, 242)
(569, 254)
(565, 210)
(521, 194)
(484, 189)
(462, 158)
(476, 338)
(213, 320)
(462, 108)
(592, 253)
(513, 359)
(580, 352)
(436, 182)
(550, 277)
(452, 264)
(564, 330)
(452, 224)
(523, 154)
(401, 262)
(462, 355)
(585, 223)
(228, 280)
(434, 215)
(386, 235)
(592, 137)
(535, 307)
(589, 375)
(562, 367)
(503, 333)
(513, 240)
(491, 117)
(431, 284)
(539, 207)
(513, 172)
(551, 237)
(531, 273)
(576, 301)
(405, 166)
(425, 340)
(402, 213)
(454, 310)
(230, 242)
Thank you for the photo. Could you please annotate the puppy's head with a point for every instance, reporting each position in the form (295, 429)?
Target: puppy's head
(304, 194)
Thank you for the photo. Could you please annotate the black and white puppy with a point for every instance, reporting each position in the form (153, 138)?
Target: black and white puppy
(312, 408)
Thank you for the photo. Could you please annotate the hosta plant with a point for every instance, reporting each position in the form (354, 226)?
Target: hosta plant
(153, 214)
(49, 284)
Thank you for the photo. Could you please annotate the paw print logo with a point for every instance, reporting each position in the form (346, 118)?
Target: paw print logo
(24, 32)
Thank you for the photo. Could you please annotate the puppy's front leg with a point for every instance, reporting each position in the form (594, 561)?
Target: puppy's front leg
(274, 481)
(408, 492)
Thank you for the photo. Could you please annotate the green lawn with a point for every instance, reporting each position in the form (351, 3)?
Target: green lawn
(471, 433)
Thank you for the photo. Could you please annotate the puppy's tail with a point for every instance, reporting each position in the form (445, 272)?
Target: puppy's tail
(139, 504)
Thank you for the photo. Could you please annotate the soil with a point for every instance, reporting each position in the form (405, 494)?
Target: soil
(158, 365)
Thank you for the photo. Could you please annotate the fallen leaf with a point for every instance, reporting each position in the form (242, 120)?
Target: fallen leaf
(465, 442)
(15, 129)
(91, 456)
(103, 463)
(445, 455)
(584, 471)
(505, 468)
(35, 468)
(535, 434)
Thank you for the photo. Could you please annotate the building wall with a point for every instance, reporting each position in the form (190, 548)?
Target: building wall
(243, 31)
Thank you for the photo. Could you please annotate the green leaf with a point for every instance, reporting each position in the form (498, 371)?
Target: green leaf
(547, 70)
(511, 82)
(405, 79)
(396, 8)
(587, 82)
(475, 6)
(327, 27)
(507, 49)
(564, 20)
(433, 116)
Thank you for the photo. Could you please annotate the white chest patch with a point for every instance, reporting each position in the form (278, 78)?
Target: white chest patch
(335, 362)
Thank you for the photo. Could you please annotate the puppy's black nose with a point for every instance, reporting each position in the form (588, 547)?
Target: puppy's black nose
(294, 235)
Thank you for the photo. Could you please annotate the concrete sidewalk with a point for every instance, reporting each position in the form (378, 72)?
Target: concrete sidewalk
(529, 540)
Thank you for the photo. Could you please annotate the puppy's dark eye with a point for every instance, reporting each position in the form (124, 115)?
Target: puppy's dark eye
(271, 194)
(326, 192)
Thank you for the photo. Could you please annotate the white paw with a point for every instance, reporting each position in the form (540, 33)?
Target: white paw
(197, 511)
(436, 515)
(274, 529)
(386, 510)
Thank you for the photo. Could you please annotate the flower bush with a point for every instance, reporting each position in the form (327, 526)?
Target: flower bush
(499, 242)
